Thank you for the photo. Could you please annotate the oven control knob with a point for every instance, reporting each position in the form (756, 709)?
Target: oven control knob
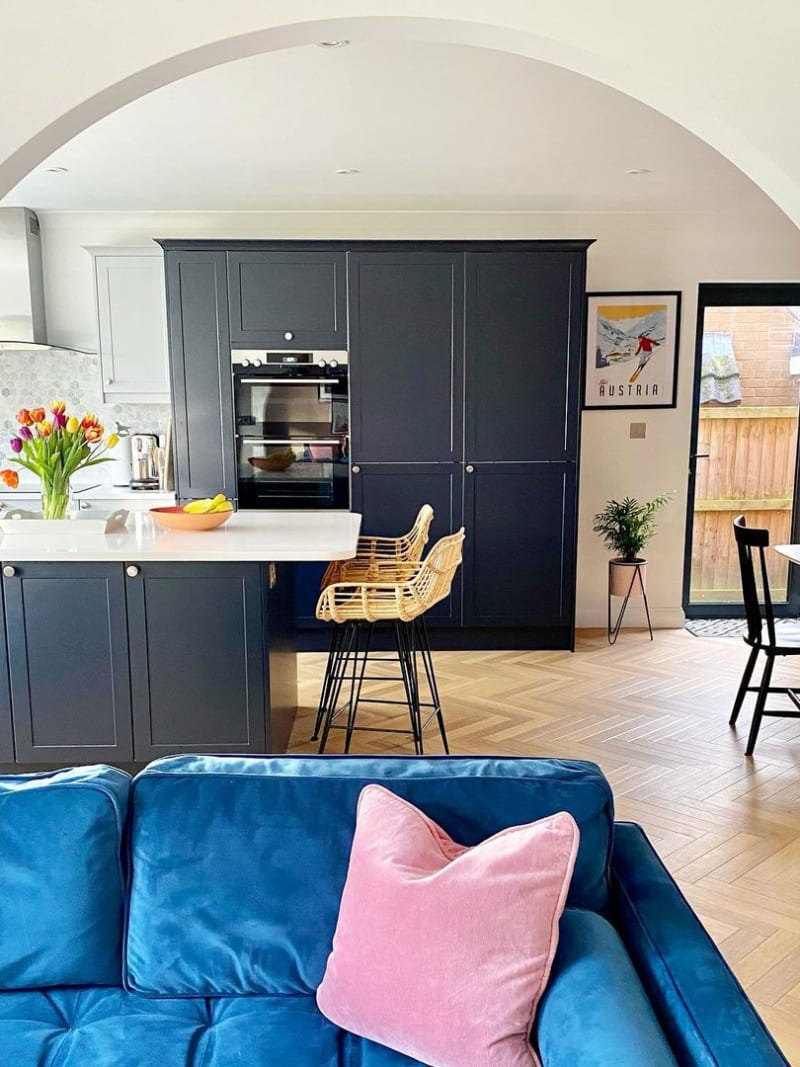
(256, 362)
(334, 363)
(244, 363)
(323, 363)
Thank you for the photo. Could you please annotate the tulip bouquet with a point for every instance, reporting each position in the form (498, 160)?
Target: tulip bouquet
(54, 448)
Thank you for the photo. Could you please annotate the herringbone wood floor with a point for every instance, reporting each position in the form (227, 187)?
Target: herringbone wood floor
(654, 717)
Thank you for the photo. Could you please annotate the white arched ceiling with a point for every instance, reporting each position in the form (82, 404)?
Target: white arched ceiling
(727, 72)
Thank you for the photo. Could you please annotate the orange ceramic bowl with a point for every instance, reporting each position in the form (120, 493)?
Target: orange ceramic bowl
(175, 518)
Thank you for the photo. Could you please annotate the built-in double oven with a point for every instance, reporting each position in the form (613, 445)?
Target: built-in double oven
(292, 416)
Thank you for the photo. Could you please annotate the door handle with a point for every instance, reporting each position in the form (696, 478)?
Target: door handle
(132, 572)
(469, 469)
(700, 455)
(9, 572)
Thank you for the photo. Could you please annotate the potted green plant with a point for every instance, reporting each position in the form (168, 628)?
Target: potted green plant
(627, 527)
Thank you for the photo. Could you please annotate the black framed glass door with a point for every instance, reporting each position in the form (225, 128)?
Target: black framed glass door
(743, 452)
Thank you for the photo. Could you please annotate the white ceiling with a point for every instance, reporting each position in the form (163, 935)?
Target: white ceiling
(429, 127)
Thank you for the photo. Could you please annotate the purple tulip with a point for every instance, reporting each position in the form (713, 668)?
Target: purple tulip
(16, 444)
(25, 432)
(59, 420)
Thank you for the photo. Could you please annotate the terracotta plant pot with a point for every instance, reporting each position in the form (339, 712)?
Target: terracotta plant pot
(621, 574)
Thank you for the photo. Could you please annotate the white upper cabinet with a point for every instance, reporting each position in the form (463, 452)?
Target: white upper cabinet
(131, 321)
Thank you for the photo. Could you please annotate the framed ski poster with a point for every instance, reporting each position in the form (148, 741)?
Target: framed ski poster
(632, 350)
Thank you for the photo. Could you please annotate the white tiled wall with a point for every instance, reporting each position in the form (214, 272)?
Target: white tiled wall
(34, 378)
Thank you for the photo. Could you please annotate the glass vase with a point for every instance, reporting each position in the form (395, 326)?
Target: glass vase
(55, 500)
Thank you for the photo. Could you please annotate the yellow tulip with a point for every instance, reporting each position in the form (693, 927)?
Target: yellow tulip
(112, 440)
(72, 425)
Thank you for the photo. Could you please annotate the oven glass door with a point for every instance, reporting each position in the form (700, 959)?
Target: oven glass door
(292, 439)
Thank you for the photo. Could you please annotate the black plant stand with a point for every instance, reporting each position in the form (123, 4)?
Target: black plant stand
(613, 632)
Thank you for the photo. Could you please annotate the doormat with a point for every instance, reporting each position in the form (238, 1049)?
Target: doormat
(725, 627)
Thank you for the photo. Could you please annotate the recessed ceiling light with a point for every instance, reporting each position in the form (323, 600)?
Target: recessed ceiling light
(333, 44)
(639, 170)
(57, 170)
(348, 170)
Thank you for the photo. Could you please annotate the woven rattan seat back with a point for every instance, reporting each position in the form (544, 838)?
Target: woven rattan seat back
(376, 556)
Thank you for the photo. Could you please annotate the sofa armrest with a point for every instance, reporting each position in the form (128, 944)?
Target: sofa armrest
(704, 1011)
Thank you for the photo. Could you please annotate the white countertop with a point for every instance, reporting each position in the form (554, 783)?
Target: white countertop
(260, 536)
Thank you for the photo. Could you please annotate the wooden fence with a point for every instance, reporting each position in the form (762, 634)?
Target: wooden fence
(750, 471)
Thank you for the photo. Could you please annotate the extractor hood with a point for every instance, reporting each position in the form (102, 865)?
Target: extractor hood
(22, 319)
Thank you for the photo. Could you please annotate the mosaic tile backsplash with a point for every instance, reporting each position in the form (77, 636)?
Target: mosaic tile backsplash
(37, 377)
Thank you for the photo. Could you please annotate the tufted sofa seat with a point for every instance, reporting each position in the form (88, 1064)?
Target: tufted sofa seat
(184, 919)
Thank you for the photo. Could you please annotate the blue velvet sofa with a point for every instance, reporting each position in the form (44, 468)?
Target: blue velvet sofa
(183, 919)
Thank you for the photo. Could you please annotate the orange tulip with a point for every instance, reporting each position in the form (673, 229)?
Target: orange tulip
(37, 415)
(93, 434)
(89, 420)
(9, 478)
(24, 417)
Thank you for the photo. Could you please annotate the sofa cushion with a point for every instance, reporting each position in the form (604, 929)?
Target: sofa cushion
(61, 880)
(594, 1011)
(112, 1028)
(238, 864)
(443, 951)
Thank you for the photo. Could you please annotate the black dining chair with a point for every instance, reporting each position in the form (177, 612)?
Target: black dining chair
(760, 636)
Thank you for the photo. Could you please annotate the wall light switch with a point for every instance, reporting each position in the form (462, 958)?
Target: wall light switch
(638, 431)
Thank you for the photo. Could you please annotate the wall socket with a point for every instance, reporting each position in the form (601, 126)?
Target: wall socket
(638, 431)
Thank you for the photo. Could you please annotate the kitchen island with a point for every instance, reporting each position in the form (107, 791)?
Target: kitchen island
(122, 647)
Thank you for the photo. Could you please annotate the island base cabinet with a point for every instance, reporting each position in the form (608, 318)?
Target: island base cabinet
(68, 662)
(6, 729)
(197, 635)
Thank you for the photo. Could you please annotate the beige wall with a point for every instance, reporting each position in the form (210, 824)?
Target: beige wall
(632, 252)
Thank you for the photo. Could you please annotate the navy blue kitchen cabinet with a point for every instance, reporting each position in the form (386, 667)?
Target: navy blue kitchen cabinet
(198, 657)
(291, 298)
(389, 496)
(519, 554)
(200, 371)
(406, 356)
(6, 733)
(68, 662)
(524, 315)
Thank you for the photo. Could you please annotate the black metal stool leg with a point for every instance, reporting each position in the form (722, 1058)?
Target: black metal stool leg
(743, 685)
(427, 660)
(404, 653)
(327, 680)
(356, 684)
(761, 700)
(339, 673)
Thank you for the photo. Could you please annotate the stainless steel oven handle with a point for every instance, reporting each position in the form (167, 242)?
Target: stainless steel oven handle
(287, 381)
(289, 441)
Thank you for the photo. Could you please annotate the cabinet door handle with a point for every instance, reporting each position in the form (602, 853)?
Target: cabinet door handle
(109, 381)
(132, 572)
(9, 572)
(288, 336)
(469, 469)
(356, 470)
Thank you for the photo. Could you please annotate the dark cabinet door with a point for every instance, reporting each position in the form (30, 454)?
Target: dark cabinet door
(6, 734)
(200, 368)
(519, 554)
(524, 315)
(198, 658)
(406, 356)
(389, 496)
(288, 299)
(68, 662)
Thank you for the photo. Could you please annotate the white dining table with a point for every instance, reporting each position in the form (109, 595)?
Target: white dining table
(792, 552)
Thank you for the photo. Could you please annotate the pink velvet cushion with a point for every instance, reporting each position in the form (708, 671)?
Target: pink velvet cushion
(441, 951)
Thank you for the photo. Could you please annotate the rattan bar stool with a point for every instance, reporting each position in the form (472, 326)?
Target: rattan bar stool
(356, 607)
(376, 559)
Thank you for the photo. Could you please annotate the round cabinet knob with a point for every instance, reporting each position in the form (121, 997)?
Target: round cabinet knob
(334, 363)
(356, 470)
(84, 505)
(288, 336)
(245, 363)
(256, 362)
(132, 571)
(470, 469)
(323, 363)
(9, 572)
